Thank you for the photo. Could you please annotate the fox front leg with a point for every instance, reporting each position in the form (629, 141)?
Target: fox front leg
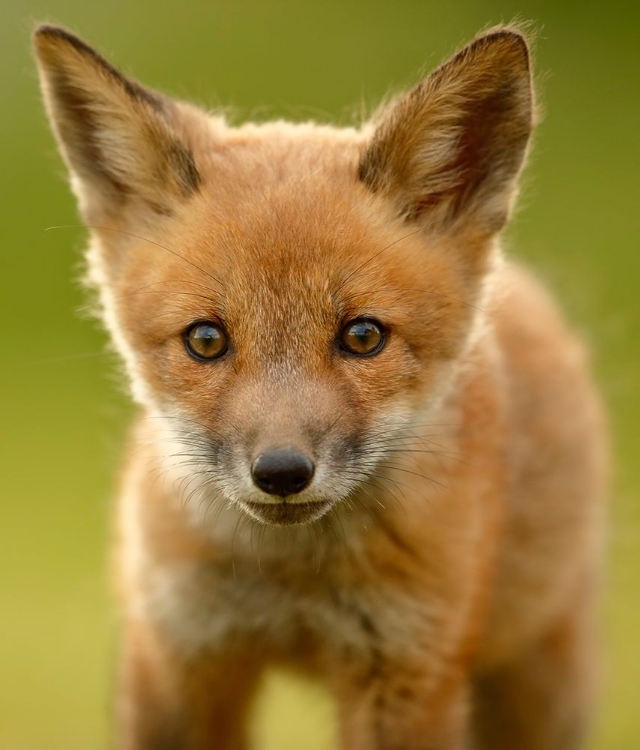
(396, 708)
(168, 703)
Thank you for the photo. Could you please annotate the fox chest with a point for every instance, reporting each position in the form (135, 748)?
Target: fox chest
(205, 608)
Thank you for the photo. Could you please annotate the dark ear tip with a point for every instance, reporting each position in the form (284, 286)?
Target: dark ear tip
(509, 33)
(506, 39)
(47, 36)
(46, 32)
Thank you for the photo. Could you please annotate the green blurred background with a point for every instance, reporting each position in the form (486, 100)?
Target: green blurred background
(64, 410)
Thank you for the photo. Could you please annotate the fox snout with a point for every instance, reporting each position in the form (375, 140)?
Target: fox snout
(281, 475)
(282, 471)
(279, 454)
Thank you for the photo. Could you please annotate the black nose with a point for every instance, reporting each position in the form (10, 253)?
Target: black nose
(282, 472)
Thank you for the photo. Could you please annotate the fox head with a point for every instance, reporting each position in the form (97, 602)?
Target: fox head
(290, 298)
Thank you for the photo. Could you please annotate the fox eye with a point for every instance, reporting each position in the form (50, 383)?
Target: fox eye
(363, 337)
(205, 341)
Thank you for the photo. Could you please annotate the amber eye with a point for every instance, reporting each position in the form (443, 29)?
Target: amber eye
(363, 337)
(205, 341)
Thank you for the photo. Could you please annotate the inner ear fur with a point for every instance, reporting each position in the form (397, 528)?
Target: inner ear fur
(450, 151)
(116, 136)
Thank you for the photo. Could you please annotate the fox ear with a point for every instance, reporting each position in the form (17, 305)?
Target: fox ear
(119, 139)
(450, 150)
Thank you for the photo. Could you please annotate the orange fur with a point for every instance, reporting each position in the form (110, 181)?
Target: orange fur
(438, 569)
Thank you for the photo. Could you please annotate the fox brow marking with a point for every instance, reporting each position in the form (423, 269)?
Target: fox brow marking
(167, 292)
(214, 278)
(372, 258)
(138, 237)
(355, 295)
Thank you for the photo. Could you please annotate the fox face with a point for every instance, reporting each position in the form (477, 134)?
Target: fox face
(293, 337)
(290, 300)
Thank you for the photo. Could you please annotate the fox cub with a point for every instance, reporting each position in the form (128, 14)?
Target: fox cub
(368, 447)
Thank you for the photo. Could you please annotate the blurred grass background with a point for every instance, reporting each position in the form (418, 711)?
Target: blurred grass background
(64, 414)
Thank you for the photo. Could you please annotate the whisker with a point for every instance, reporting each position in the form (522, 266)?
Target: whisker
(138, 237)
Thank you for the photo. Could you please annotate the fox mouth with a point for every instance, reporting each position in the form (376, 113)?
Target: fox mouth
(286, 514)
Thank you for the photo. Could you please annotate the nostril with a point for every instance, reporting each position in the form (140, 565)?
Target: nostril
(282, 472)
(299, 483)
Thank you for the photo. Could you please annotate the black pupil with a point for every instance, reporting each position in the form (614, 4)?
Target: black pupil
(364, 331)
(207, 341)
(362, 337)
(206, 335)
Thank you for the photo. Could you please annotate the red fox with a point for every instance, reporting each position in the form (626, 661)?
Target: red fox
(368, 447)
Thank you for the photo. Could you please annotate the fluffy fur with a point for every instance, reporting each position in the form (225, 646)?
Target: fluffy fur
(439, 571)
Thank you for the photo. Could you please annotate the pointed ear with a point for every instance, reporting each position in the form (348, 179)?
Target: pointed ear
(450, 151)
(117, 138)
